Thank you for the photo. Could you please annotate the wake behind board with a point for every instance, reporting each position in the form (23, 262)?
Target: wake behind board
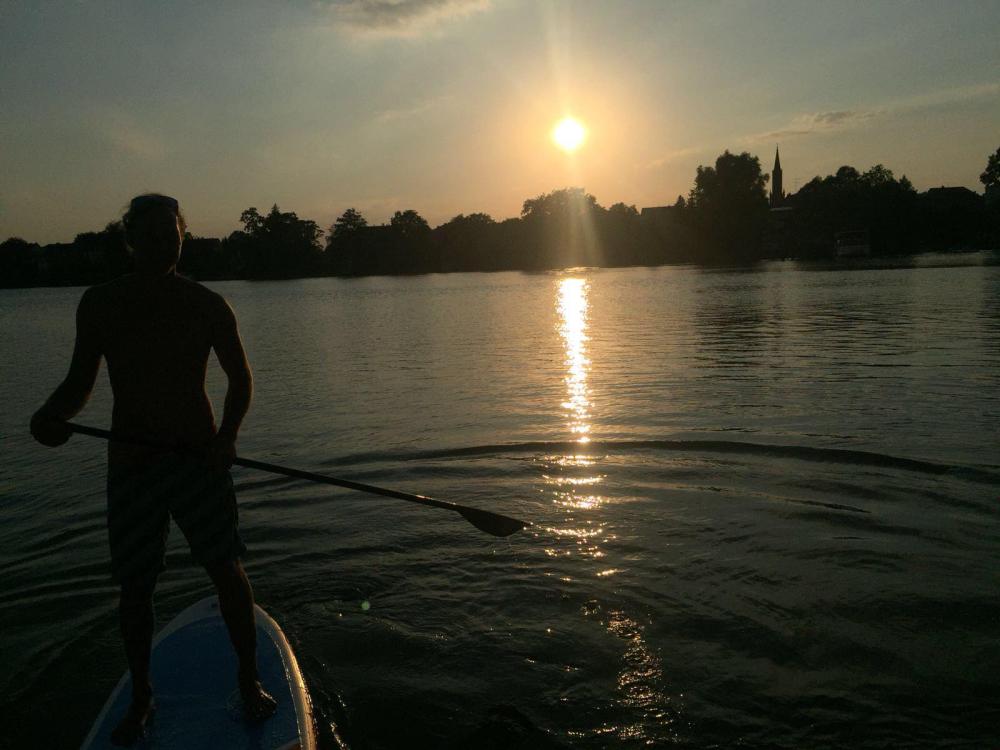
(193, 670)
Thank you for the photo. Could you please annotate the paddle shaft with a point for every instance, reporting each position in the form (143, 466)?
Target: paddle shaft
(249, 463)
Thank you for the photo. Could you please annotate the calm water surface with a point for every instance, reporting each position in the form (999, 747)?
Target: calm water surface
(765, 508)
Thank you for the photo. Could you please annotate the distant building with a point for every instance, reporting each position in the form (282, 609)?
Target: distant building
(662, 220)
(777, 191)
(954, 195)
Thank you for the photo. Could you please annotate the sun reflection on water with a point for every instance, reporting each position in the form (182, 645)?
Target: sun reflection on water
(571, 476)
(572, 305)
(577, 486)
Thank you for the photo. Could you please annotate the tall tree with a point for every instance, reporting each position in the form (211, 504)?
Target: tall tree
(280, 244)
(346, 244)
(349, 223)
(468, 243)
(410, 249)
(729, 206)
(991, 181)
(409, 222)
(991, 175)
(560, 205)
(560, 229)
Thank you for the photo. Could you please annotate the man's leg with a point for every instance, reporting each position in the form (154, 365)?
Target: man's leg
(135, 613)
(236, 604)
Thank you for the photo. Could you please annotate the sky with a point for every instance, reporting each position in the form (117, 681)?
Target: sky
(446, 106)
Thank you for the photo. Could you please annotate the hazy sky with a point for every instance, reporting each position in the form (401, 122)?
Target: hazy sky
(445, 106)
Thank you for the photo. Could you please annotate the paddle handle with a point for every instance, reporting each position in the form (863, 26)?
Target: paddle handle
(287, 471)
(347, 483)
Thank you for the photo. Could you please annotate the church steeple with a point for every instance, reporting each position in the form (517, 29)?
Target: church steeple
(777, 193)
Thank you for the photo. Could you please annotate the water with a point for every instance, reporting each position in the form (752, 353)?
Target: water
(764, 505)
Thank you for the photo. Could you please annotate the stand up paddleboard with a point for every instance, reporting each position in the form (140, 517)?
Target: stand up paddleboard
(198, 705)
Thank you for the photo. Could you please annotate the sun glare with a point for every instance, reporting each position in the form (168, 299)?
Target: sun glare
(569, 134)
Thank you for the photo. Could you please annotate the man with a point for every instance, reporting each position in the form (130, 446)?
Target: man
(156, 330)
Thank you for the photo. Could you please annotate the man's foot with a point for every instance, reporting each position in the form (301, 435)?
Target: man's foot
(132, 727)
(257, 703)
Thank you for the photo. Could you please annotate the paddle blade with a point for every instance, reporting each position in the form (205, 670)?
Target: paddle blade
(492, 523)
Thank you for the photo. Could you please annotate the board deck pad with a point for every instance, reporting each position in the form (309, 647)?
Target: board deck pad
(193, 670)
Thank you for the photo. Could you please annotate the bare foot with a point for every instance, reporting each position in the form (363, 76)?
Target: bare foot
(258, 704)
(132, 727)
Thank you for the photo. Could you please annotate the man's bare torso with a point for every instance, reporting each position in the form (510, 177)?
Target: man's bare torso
(156, 336)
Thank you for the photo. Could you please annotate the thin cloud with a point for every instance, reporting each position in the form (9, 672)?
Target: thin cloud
(404, 113)
(671, 156)
(125, 134)
(401, 18)
(946, 97)
(837, 120)
(818, 122)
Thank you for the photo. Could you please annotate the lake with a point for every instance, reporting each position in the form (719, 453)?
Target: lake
(764, 507)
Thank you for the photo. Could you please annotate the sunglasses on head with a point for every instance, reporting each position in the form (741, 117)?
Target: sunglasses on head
(144, 202)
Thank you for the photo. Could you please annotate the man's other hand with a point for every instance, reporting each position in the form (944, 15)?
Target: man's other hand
(49, 430)
(220, 452)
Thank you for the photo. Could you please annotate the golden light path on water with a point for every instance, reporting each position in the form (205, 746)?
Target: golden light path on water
(577, 493)
(573, 313)
(575, 485)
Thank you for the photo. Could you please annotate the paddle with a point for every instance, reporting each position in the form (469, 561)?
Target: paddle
(484, 520)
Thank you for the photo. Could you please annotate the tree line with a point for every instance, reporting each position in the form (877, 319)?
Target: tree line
(726, 218)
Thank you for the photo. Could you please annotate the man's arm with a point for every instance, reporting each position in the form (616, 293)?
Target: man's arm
(72, 393)
(233, 359)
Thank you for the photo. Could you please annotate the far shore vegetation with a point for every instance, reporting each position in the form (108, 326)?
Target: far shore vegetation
(727, 218)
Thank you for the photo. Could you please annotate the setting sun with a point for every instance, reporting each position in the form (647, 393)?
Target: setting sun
(569, 134)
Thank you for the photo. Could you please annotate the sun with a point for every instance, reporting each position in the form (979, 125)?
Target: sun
(569, 134)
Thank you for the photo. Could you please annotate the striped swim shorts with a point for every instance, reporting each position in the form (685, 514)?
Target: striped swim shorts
(141, 502)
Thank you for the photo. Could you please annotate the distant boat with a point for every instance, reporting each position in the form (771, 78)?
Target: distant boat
(852, 244)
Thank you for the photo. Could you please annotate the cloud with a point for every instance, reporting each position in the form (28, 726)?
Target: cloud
(845, 119)
(947, 97)
(401, 18)
(818, 122)
(125, 134)
(405, 113)
(674, 155)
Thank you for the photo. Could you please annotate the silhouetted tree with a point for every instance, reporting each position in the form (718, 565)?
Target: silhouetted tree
(728, 204)
(991, 175)
(409, 223)
(951, 218)
(851, 200)
(347, 224)
(723, 220)
(205, 258)
(991, 182)
(468, 243)
(279, 245)
(411, 249)
(561, 229)
(252, 221)
(620, 235)
(345, 241)
(559, 204)
(18, 263)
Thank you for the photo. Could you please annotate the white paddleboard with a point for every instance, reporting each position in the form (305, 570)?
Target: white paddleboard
(193, 670)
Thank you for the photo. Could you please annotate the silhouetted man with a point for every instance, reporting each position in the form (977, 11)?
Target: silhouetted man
(156, 329)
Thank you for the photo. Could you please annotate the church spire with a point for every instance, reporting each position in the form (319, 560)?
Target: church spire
(777, 193)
